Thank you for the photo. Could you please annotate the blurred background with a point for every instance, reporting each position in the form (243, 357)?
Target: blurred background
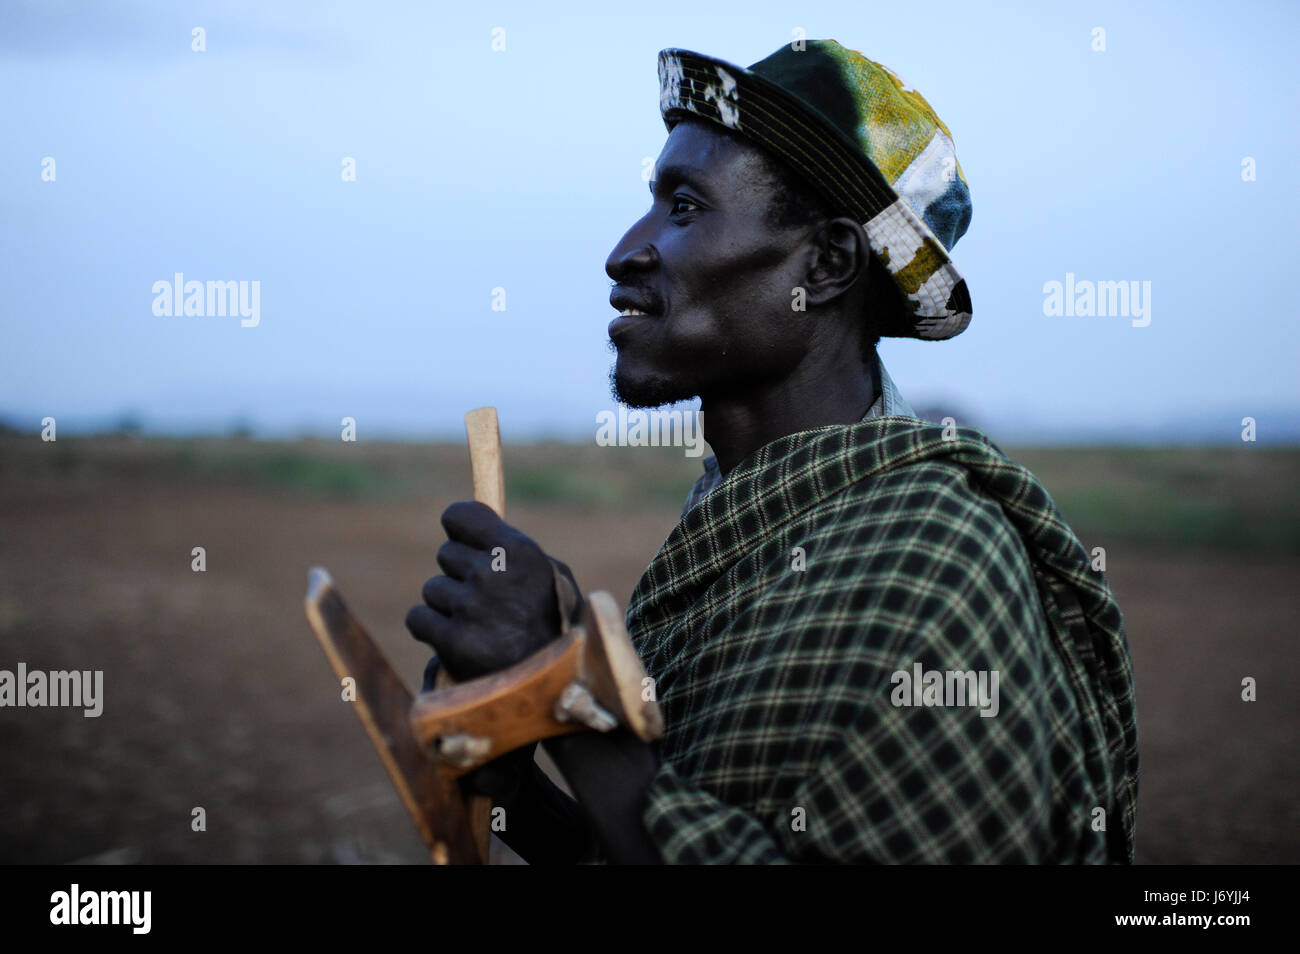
(426, 198)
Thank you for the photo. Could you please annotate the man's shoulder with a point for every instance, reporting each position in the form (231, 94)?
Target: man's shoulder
(925, 489)
(930, 519)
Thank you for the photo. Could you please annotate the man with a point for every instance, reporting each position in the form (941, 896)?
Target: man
(874, 639)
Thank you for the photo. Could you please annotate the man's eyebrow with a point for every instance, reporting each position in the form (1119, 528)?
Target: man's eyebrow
(673, 175)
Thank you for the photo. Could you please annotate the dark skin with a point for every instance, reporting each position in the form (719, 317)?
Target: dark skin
(716, 278)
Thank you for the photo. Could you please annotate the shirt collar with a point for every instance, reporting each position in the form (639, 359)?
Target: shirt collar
(890, 403)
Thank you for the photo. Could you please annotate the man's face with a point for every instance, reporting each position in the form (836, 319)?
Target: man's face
(713, 275)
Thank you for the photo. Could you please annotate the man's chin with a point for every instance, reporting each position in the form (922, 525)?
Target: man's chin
(645, 392)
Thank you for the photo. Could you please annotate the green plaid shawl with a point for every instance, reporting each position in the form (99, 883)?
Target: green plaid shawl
(782, 741)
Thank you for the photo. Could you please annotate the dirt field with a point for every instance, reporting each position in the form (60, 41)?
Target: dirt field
(217, 696)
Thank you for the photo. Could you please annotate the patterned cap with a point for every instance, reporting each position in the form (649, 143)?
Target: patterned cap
(869, 144)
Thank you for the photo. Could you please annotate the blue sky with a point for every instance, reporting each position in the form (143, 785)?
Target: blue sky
(521, 169)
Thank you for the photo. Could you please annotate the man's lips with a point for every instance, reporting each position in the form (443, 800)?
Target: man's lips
(625, 322)
(627, 300)
(634, 306)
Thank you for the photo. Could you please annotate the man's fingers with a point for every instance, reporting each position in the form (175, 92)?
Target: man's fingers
(429, 627)
(476, 524)
(453, 645)
(443, 594)
(458, 559)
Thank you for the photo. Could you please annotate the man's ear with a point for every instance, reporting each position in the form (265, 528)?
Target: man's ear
(840, 256)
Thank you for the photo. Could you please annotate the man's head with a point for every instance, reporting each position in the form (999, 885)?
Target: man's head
(833, 199)
(744, 272)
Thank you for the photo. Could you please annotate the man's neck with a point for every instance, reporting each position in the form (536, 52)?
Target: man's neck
(836, 390)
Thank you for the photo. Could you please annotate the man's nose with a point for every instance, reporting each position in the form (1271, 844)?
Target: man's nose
(632, 255)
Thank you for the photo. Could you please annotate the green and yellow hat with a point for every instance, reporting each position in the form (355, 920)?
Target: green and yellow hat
(871, 145)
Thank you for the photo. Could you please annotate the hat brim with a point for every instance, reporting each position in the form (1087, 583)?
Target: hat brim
(934, 294)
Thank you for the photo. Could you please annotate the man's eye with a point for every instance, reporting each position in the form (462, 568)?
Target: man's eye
(682, 205)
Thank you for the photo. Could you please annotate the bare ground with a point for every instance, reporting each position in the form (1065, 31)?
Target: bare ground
(218, 697)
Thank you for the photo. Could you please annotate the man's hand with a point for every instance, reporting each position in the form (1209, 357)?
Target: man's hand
(495, 606)
(496, 603)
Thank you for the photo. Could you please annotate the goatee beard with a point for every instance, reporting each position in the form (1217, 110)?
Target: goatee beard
(655, 392)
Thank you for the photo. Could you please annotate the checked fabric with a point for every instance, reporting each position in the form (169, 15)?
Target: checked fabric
(782, 743)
